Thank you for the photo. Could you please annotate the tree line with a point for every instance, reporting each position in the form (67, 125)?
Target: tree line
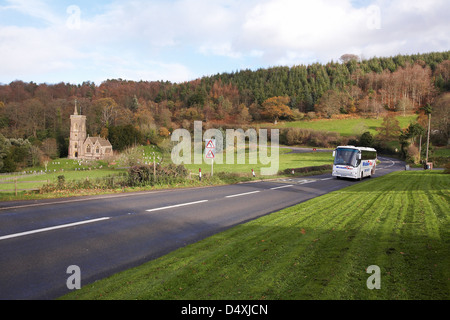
(129, 112)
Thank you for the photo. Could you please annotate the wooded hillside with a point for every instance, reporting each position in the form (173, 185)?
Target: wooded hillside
(150, 110)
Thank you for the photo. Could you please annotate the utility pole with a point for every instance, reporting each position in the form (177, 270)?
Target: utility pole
(428, 111)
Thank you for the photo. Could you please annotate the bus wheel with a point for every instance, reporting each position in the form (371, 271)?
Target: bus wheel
(362, 176)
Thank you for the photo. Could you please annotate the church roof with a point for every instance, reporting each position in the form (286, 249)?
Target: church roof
(103, 142)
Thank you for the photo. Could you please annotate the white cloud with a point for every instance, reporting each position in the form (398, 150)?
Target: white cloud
(33, 51)
(33, 8)
(156, 40)
(287, 30)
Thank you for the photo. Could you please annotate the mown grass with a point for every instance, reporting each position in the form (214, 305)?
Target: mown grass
(319, 249)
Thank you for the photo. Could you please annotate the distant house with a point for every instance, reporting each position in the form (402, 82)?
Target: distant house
(82, 146)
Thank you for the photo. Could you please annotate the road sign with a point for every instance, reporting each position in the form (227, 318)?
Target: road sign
(210, 151)
(210, 154)
(210, 148)
(211, 144)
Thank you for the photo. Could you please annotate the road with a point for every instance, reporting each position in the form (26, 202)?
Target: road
(102, 235)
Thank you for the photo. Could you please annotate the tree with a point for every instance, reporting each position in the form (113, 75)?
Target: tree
(164, 132)
(108, 111)
(404, 105)
(134, 104)
(143, 118)
(345, 58)
(50, 148)
(407, 139)
(390, 128)
(4, 148)
(428, 110)
(122, 137)
(244, 114)
(34, 116)
(329, 104)
(441, 117)
(366, 139)
(277, 108)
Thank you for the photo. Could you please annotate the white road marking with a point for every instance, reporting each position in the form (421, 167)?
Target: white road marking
(291, 185)
(326, 179)
(391, 165)
(177, 205)
(106, 197)
(16, 235)
(242, 194)
(307, 181)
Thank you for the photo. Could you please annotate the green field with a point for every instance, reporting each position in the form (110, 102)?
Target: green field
(319, 249)
(346, 127)
(287, 160)
(37, 181)
(73, 170)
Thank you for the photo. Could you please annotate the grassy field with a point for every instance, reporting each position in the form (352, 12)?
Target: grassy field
(346, 127)
(287, 160)
(319, 249)
(77, 171)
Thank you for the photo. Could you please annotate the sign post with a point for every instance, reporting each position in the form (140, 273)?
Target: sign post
(210, 151)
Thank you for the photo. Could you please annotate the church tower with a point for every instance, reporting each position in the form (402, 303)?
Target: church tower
(77, 135)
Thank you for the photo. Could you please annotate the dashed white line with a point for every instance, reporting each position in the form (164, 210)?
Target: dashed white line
(16, 235)
(176, 206)
(307, 181)
(242, 194)
(276, 188)
(326, 179)
(106, 197)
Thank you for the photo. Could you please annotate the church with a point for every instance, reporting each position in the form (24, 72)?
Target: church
(81, 146)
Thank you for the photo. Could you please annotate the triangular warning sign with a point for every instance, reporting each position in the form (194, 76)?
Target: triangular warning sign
(210, 154)
(210, 144)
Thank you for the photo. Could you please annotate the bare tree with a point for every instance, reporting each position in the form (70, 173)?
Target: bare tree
(349, 57)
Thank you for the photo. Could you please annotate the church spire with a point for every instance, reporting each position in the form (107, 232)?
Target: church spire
(76, 109)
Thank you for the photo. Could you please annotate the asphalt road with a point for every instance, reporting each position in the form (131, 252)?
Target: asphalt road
(102, 235)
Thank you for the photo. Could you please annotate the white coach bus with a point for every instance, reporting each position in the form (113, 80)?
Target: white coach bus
(354, 162)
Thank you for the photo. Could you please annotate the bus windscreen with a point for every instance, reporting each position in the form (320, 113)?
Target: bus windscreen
(346, 157)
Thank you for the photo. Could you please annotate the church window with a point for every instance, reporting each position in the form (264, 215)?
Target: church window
(88, 149)
(97, 150)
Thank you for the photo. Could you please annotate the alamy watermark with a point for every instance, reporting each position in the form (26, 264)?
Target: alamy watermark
(373, 17)
(73, 22)
(374, 281)
(74, 281)
(233, 145)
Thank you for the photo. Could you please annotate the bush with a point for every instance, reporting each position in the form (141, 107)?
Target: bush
(61, 182)
(412, 154)
(326, 167)
(299, 136)
(139, 175)
(447, 168)
(145, 174)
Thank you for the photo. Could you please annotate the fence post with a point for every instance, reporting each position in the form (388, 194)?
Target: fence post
(15, 186)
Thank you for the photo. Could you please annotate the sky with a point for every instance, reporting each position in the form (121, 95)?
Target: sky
(53, 41)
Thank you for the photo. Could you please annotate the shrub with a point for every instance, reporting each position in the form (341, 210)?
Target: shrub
(447, 168)
(326, 167)
(145, 174)
(61, 181)
(412, 154)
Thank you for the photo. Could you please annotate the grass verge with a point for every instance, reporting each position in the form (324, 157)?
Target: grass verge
(319, 249)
